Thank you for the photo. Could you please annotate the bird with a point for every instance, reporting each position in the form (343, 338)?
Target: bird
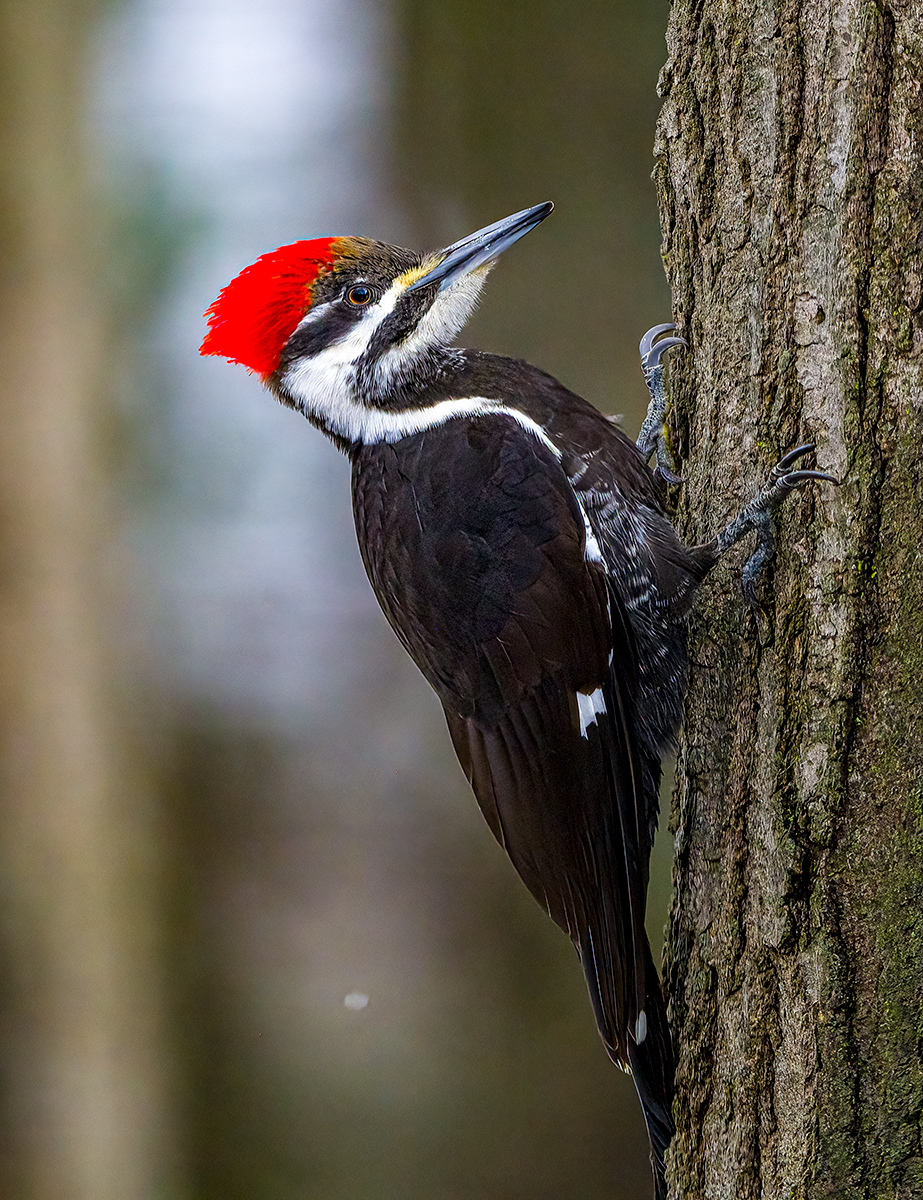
(517, 542)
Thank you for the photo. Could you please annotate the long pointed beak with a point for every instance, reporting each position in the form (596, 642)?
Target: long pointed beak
(482, 247)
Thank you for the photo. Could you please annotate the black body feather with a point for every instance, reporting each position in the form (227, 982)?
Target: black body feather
(474, 536)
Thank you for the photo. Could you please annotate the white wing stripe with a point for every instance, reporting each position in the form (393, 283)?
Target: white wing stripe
(589, 707)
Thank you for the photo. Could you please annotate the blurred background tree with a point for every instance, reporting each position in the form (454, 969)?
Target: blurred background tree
(229, 802)
(82, 1054)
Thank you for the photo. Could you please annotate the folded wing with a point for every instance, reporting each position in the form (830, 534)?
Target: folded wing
(483, 572)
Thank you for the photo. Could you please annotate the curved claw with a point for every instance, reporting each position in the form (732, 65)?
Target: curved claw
(652, 434)
(759, 513)
(664, 467)
(648, 340)
(666, 474)
(653, 358)
(787, 459)
(785, 480)
(794, 478)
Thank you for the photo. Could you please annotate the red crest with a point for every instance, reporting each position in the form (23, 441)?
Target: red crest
(258, 311)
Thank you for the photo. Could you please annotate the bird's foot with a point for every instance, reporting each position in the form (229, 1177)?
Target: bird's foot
(653, 432)
(759, 515)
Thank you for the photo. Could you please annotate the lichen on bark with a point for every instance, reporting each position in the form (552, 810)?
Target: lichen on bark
(790, 177)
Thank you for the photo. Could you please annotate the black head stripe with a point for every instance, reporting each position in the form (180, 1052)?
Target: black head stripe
(321, 330)
(399, 324)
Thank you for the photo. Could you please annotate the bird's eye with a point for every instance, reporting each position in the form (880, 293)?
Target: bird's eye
(359, 295)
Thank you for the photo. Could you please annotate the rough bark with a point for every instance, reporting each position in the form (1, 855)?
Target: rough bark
(790, 176)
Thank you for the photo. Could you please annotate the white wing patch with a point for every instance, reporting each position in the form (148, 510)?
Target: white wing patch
(591, 550)
(588, 708)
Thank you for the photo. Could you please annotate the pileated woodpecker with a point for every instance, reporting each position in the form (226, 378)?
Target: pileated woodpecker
(517, 542)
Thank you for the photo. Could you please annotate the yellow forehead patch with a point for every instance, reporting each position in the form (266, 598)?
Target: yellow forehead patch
(412, 274)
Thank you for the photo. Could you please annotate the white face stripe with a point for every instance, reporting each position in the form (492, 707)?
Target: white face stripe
(325, 384)
(353, 344)
(314, 313)
(439, 324)
(588, 708)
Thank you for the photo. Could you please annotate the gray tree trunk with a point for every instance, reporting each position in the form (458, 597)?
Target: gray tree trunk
(790, 175)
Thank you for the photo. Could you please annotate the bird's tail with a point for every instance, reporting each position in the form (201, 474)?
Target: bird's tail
(653, 1069)
(650, 1055)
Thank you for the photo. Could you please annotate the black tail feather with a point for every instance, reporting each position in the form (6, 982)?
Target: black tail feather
(651, 1060)
(653, 1069)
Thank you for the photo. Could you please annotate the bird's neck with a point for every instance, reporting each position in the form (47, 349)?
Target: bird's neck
(369, 401)
(397, 380)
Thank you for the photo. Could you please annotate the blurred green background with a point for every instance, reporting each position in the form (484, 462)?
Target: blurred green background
(227, 799)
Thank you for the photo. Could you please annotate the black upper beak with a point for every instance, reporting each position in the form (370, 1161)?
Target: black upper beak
(482, 247)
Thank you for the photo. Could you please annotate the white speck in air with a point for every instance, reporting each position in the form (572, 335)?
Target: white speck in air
(356, 1001)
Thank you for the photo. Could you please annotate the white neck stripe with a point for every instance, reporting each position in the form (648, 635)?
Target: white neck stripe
(392, 426)
(346, 416)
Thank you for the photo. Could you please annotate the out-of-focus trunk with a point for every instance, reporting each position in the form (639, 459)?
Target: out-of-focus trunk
(79, 1050)
(790, 174)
